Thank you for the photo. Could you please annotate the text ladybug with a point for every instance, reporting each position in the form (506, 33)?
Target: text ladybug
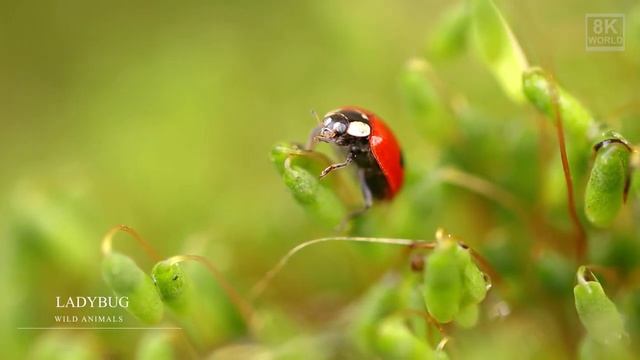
(369, 143)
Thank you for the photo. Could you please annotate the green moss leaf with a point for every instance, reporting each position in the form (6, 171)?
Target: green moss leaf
(449, 39)
(425, 105)
(498, 47)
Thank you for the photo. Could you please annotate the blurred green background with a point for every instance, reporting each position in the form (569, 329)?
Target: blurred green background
(161, 115)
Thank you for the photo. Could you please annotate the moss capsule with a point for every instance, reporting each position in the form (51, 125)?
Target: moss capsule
(124, 276)
(443, 288)
(300, 171)
(597, 312)
(172, 283)
(591, 349)
(607, 184)
(318, 200)
(475, 283)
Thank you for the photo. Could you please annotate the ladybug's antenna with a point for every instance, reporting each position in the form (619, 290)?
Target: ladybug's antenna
(315, 116)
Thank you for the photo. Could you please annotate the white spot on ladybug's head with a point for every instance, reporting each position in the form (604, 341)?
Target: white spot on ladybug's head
(358, 129)
(364, 116)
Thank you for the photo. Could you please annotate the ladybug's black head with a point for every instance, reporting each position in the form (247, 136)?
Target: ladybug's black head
(343, 127)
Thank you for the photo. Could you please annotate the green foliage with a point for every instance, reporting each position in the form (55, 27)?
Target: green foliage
(51, 221)
(57, 345)
(498, 47)
(610, 173)
(425, 105)
(556, 272)
(126, 279)
(380, 300)
(449, 38)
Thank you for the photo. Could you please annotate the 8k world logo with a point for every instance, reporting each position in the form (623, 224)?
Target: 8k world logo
(604, 32)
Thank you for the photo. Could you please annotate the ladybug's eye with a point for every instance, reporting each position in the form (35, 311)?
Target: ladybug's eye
(339, 127)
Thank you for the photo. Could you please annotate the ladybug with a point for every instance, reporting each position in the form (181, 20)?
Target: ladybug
(368, 143)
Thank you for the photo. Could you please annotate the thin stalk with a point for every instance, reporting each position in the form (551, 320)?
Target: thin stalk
(581, 237)
(428, 318)
(486, 188)
(261, 285)
(584, 275)
(243, 307)
(442, 343)
(107, 241)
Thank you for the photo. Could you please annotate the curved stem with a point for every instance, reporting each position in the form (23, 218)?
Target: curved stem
(583, 276)
(243, 307)
(483, 187)
(442, 343)
(107, 241)
(635, 157)
(261, 285)
(581, 236)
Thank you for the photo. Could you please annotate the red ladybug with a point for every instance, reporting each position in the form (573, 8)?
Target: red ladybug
(369, 143)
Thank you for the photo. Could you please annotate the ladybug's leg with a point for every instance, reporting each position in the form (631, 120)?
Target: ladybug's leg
(336, 166)
(366, 193)
(368, 202)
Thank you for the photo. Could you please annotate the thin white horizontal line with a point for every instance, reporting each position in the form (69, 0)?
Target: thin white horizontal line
(99, 328)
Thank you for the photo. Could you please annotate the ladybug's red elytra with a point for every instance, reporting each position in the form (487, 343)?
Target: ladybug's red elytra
(369, 143)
